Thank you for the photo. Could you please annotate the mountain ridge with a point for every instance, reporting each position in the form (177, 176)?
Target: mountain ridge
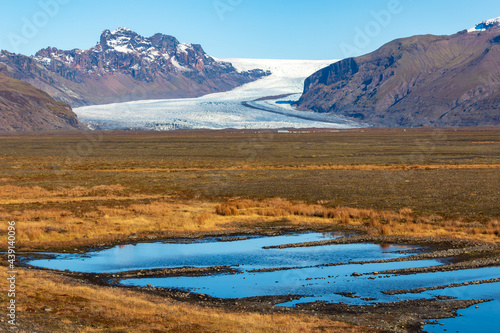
(125, 66)
(424, 80)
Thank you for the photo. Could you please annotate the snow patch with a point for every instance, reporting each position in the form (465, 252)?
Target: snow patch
(123, 49)
(44, 60)
(485, 25)
(120, 29)
(120, 44)
(153, 53)
(177, 65)
(184, 47)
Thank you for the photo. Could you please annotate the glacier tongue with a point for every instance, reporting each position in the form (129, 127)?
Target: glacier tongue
(224, 110)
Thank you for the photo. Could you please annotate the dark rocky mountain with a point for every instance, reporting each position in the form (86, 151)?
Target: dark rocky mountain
(125, 66)
(417, 81)
(26, 108)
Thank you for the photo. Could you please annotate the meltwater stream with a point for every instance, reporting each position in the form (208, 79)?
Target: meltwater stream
(301, 271)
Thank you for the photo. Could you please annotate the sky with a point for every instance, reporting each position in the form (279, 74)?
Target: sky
(265, 29)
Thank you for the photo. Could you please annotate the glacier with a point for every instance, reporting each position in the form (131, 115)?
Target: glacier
(251, 106)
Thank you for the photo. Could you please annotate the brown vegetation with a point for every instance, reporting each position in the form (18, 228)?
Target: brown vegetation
(366, 167)
(50, 220)
(141, 186)
(78, 216)
(403, 222)
(443, 172)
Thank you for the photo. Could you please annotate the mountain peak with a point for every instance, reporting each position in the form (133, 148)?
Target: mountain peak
(127, 66)
(121, 30)
(485, 25)
(121, 40)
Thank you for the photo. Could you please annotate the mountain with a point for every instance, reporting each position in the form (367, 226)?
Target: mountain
(125, 66)
(26, 108)
(417, 81)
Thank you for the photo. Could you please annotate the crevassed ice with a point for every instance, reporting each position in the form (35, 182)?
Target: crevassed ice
(224, 110)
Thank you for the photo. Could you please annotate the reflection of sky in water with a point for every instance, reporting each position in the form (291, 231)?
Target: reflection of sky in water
(323, 283)
(248, 254)
(310, 281)
(481, 319)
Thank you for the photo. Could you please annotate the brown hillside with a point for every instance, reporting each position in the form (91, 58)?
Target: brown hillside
(417, 81)
(26, 108)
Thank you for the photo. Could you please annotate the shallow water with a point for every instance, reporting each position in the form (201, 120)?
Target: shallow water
(306, 273)
(319, 282)
(484, 318)
(247, 254)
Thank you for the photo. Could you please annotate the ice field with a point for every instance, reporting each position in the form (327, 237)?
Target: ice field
(224, 110)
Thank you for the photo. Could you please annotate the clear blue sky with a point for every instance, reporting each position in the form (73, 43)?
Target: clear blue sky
(279, 29)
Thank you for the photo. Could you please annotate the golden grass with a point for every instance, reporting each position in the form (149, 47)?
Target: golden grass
(84, 308)
(364, 167)
(58, 225)
(403, 222)
(24, 192)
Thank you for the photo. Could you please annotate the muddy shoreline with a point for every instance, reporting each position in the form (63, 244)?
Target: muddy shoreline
(403, 316)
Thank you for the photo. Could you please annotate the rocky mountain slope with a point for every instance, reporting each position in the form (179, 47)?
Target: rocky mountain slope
(417, 81)
(26, 108)
(125, 66)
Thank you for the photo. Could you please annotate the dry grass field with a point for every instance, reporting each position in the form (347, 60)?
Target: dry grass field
(73, 190)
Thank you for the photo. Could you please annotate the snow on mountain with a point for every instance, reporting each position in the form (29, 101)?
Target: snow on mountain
(224, 110)
(125, 66)
(485, 25)
(122, 30)
(124, 40)
(123, 46)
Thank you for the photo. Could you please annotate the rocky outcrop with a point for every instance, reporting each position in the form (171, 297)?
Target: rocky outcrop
(417, 81)
(125, 66)
(26, 108)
